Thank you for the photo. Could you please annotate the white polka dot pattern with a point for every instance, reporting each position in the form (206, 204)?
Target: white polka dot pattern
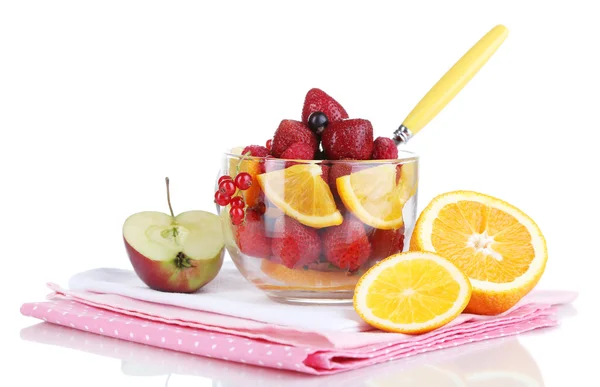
(306, 359)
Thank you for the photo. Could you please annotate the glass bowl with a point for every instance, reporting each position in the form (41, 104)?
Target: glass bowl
(313, 227)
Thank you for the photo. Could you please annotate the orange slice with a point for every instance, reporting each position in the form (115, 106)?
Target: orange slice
(301, 193)
(300, 279)
(413, 292)
(500, 248)
(375, 198)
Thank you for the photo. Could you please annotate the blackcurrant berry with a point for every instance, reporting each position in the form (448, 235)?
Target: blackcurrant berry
(317, 122)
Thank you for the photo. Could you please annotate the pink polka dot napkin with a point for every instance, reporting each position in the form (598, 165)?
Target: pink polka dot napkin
(231, 320)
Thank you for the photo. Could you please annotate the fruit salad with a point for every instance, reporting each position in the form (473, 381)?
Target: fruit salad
(308, 212)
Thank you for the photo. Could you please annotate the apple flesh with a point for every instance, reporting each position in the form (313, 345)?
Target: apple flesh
(177, 254)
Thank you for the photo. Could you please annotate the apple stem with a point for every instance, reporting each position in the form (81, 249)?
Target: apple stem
(169, 197)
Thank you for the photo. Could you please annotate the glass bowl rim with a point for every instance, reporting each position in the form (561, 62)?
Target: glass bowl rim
(409, 156)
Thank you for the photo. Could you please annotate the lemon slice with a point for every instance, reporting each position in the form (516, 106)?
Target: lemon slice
(301, 193)
(500, 248)
(374, 197)
(413, 292)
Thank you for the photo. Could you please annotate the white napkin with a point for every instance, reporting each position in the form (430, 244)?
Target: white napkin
(228, 294)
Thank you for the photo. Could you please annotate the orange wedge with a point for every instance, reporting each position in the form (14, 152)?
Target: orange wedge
(301, 193)
(500, 248)
(374, 196)
(412, 292)
(300, 279)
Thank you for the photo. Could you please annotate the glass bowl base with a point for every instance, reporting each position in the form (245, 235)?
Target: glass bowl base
(306, 297)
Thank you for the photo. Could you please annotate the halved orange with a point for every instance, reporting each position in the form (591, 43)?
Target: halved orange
(499, 247)
(412, 292)
(375, 198)
(301, 193)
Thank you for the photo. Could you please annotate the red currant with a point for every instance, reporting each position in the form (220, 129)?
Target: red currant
(238, 202)
(237, 215)
(269, 144)
(223, 178)
(243, 181)
(222, 199)
(227, 187)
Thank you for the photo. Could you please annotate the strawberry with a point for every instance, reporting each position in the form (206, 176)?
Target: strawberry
(347, 245)
(317, 100)
(299, 151)
(386, 242)
(384, 149)
(256, 151)
(295, 244)
(337, 170)
(290, 132)
(325, 169)
(250, 236)
(349, 139)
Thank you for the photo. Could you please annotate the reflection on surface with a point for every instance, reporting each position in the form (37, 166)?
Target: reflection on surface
(496, 363)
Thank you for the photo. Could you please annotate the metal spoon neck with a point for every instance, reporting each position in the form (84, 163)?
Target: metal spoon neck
(402, 135)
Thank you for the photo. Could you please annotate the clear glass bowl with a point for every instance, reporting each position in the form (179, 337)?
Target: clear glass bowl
(294, 260)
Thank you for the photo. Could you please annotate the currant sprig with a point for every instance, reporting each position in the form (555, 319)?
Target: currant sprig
(226, 193)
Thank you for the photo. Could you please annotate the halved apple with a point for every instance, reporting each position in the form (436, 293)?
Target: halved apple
(175, 254)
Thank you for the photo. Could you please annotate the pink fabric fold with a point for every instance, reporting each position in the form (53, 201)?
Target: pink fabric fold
(318, 352)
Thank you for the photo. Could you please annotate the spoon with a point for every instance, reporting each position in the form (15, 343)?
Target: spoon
(450, 84)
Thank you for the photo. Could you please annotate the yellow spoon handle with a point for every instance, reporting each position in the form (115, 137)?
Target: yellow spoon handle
(454, 80)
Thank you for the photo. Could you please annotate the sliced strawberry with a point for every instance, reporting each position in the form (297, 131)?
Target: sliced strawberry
(347, 245)
(317, 100)
(290, 132)
(250, 236)
(295, 245)
(349, 139)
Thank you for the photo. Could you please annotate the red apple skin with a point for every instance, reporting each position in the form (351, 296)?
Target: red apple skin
(164, 276)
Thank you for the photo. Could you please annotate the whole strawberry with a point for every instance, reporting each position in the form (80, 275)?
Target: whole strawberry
(256, 151)
(290, 132)
(386, 242)
(295, 245)
(347, 245)
(349, 139)
(317, 100)
(250, 236)
(384, 149)
(336, 171)
(299, 151)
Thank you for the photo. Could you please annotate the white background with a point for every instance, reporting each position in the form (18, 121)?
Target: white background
(100, 100)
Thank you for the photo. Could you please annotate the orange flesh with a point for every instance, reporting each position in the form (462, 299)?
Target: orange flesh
(504, 251)
(412, 292)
